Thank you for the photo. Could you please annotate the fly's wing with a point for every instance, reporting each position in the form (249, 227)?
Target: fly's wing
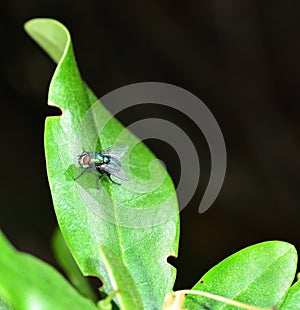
(114, 168)
(115, 151)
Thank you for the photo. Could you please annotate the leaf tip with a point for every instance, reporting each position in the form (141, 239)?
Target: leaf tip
(52, 36)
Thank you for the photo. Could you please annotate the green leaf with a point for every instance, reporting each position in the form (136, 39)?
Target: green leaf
(5, 304)
(292, 300)
(121, 279)
(65, 259)
(137, 221)
(259, 275)
(29, 283)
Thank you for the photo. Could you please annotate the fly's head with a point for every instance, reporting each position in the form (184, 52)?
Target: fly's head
(84, 159)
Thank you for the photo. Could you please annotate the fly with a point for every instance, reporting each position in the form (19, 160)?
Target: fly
(104, 162)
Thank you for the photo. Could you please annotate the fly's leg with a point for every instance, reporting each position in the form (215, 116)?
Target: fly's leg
(109, 176)
(97, 180)
(84, 171)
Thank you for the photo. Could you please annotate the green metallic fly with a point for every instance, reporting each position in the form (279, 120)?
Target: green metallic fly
(104, 162)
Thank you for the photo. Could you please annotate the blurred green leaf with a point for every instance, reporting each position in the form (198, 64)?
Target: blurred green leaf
(138, 225)
(259, 275)
(65, 259)
(4, 304)
(29, 283)
(292, 300)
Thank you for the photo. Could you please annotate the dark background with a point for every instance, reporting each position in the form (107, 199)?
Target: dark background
(240, 57)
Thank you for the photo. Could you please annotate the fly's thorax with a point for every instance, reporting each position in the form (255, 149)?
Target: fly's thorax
(97, 158)
(106, 159)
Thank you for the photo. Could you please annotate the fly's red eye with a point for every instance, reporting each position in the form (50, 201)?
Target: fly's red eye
(86, 159)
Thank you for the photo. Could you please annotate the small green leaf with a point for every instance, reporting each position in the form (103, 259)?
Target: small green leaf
(29, 283)
(140, 225)
(292, 300)
(66, 261)
(259, 275)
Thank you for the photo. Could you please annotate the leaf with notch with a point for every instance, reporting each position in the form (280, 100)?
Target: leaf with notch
(139, 226)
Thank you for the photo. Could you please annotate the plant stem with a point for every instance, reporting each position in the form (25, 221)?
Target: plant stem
(223, 299)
